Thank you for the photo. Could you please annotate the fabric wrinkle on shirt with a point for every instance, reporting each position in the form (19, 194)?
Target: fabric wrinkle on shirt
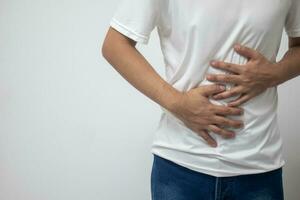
(191, 34)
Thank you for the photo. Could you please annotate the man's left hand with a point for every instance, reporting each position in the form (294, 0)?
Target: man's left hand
(250, 79)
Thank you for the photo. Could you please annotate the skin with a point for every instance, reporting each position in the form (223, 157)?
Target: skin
(193, 106)
(258, 74)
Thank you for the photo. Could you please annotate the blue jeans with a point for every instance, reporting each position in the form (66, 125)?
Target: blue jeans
(170, 181)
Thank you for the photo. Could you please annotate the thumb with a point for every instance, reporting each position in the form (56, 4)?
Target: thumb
(208, 90)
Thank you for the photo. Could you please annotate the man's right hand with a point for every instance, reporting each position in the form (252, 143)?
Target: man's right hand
(195, 110)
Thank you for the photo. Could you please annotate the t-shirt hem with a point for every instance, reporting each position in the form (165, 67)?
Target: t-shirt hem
(211, 172)
(125, 30)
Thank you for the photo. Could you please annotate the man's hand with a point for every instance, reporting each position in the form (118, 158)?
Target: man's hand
(195, 110)
(250, 79)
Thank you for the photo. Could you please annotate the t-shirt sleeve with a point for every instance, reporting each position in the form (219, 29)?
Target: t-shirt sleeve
(136, 18)
(292, 24)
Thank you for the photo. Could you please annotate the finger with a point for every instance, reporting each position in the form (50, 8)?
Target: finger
(229, 93)
(211, 89)
(231, 67)
(226, 78)
(207, 137)
(224, 133)
(226, 110)
(242, 99)
(223, 121)
(246, 51)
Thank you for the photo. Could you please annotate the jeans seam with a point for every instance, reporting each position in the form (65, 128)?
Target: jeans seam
(216, 189)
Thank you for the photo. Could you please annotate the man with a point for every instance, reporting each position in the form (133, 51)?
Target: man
(212, 142)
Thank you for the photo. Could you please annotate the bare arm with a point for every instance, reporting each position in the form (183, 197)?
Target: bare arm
(132, 65)
(191, 107)
(289, 65)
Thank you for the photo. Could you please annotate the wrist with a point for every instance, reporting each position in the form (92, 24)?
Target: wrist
(277, 74)
(173, 100)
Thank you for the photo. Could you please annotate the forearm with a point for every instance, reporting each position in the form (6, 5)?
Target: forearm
(288, 67)
(132, 65)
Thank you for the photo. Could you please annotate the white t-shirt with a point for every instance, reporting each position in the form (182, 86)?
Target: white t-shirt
(194, 32)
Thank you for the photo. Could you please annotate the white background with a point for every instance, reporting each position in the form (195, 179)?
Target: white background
(71, 128)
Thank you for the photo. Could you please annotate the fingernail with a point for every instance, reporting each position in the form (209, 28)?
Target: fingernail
(237, 46)
(209, 76)
(213, 62)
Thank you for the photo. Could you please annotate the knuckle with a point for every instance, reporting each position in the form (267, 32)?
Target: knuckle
(217, 87)
(225, 111)
(221, 95)
(230, 93)
(214, 87)
(218, 131)
(238, 111)
(228, 110)
(246, 80)
(239, 102)
(223, 121)
(234, 92)
(235, 111)
(232, 123)
(228, 134)
(212, 128)
(210, 108)
(201, 122)
(231, 111)
(224, 133)
(237, 124)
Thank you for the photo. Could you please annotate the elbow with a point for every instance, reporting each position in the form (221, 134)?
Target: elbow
(107, 47)
(104, 50)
